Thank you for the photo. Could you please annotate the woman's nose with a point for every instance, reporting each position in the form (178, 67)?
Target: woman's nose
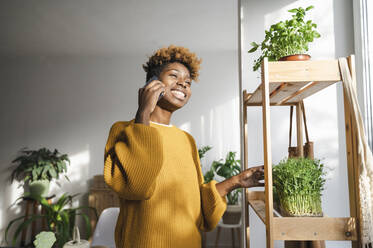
(182, 83)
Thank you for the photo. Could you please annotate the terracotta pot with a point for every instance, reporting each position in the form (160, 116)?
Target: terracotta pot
(232, 215)
(296, 57)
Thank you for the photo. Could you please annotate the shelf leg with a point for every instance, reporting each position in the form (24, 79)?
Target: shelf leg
(299, 130)
(245, 164)
(267, 154)
(352, 163)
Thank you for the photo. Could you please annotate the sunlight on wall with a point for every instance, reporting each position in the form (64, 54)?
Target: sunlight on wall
(79, 164)
(14, 194)
(78, 174)
(186, 127)
(202, 128)
(223, 130)
(8, 206)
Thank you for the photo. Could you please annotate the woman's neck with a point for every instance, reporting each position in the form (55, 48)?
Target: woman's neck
(161, 116)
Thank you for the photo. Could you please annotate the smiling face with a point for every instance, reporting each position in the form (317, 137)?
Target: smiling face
(177, 80)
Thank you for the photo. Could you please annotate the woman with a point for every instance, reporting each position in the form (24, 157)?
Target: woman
(154, 166)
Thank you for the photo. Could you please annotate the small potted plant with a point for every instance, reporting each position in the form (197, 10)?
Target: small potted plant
(59, 216)
(287, 40)
(230, 167)
(36, 168)
(298, 184)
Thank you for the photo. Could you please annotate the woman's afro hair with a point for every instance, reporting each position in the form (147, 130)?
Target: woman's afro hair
(171, 54)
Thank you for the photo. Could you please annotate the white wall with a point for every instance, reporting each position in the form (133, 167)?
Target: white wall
(324, 110)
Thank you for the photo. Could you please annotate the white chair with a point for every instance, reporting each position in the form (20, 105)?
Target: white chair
(105, 228)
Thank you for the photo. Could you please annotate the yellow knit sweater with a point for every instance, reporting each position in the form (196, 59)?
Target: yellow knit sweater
(163, 200)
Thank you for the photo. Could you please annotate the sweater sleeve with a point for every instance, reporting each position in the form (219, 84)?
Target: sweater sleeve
(213, 205)
(133, 159)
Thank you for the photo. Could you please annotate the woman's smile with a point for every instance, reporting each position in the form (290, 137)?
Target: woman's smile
(178, 94)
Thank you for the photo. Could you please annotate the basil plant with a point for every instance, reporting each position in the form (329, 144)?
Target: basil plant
(286, 38)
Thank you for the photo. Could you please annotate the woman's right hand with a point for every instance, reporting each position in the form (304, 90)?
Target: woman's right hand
(148, 98)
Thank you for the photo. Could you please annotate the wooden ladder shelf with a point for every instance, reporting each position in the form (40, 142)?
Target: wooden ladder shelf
(287, 83)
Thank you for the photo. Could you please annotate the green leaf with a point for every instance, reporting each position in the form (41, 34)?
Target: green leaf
(309, 7)
(209, 176)
(87, 222)
(67, 178)
(253, 49)
(53, 173)
(24, 225)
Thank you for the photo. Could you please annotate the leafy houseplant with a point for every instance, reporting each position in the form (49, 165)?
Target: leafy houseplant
(286, 38)
(59, 218)
(298, 185)
(38, 167)
(228, 168)
(210, 174)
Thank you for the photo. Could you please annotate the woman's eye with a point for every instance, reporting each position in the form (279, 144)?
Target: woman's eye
(190, 83)
(173, 75)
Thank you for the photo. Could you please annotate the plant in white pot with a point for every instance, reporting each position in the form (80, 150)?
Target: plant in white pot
(36, 168)
(227, 169)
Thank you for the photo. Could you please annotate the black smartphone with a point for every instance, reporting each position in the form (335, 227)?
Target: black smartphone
(152, 79)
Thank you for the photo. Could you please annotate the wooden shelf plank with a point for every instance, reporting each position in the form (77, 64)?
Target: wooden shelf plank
(256, 200)
(314, 228)
(283, 94)
(257, 95)
(290, 94)
(304, 228)
(287, 91)
(309, 90)
(259, 208)
(304, 71)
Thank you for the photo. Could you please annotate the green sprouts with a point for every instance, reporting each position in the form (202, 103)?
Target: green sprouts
(298, 183)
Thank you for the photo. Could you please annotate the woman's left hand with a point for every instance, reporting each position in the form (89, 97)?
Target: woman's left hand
(251, 177)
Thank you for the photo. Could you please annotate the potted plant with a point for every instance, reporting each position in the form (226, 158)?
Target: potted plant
(59, 217)
(201, 152)
(287, 40)
(36, 168)
(226, 169)
(298, 184)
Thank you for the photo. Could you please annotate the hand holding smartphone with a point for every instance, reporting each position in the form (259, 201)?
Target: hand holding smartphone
(152, 79)
(148, 100)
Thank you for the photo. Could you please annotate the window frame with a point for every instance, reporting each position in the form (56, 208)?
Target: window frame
(363, 61)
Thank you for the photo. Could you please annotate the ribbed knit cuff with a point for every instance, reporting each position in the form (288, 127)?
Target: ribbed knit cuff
(213, 204)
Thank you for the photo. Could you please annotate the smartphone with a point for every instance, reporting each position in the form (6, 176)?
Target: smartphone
(152, 79)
